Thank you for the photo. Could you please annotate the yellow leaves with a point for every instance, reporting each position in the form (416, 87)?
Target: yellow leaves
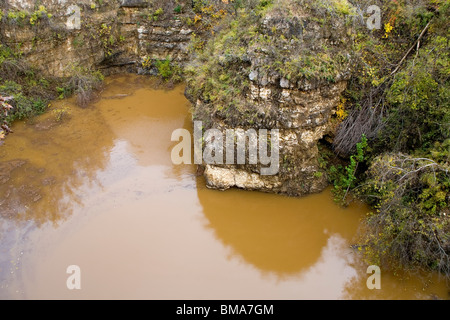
(371, 73)
(61, 112)
(147, 63)
(387, 28)
(2, 134)
(340, 112)
(105, 29)
(344, 7)
(197, 44)
(208, 10)
(377, 82)
(197, 18)
(219, 14)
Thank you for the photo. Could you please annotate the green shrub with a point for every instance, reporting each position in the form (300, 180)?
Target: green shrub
(23, 106)
(410, 226)
(164, 68)
(36, 15)
(83, 82)
(419, 100)
(346, 178)
(156, 15)
(400, 97)
(177, 9)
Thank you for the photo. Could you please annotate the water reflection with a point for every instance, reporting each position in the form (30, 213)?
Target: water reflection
(142, 228)
(45, 162)
(275, 233)
(41, 166)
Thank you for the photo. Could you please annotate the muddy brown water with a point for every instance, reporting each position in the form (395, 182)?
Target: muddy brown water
(96, 188)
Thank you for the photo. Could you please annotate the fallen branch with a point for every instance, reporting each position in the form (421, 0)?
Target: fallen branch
(416, 43)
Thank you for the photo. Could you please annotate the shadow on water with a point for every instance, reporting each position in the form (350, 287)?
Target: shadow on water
(274, 233)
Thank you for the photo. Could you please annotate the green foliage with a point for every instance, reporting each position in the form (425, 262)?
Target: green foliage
(344, 7)
(83, 82)
(410, 227)
(24, 107)
(33, 17)
(419, 100)
(78, 40)
(399, 95)
(12, 15)
(219, 74)
(105, 34)
(318, 174)
(164, 68)
(399, 89)
(63, 92)
(177, 9)
(264, 4)
(156, 15)
(197, 5)
(5, 53)
(61, 112)
(17, 16)
(39, 14)
(30, 92)
(345, 178)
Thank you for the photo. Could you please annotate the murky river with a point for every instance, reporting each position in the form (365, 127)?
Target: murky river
(96, 188)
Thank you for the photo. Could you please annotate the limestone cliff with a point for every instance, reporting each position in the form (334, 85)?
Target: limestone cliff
(277, 67)
(57, 35)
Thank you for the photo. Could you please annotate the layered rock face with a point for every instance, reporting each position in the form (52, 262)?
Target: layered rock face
(303, 117)
(285, 85)
(111, 35)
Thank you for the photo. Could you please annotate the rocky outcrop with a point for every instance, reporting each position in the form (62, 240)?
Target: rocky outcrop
(285, 83)
(303, 117)
(111, 35)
